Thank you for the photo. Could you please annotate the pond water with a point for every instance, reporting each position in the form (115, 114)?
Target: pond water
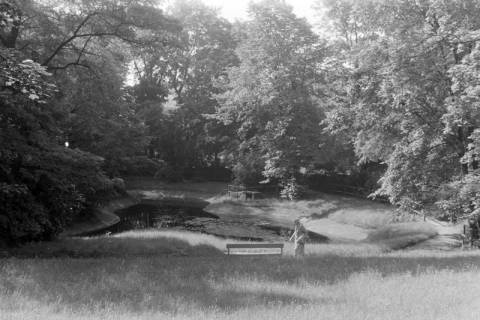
(191, 216)
(157, 214)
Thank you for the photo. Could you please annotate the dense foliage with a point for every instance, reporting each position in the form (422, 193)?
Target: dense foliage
(269, 99)
(176, 87)
(388, 91)
(52, 96)
(406, 96)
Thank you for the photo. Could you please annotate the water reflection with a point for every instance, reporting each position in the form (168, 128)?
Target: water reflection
(157, 215)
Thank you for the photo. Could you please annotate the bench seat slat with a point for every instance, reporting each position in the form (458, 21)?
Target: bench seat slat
(244, 253)
(254, 245)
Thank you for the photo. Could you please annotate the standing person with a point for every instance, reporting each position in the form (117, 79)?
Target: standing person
(300, 237)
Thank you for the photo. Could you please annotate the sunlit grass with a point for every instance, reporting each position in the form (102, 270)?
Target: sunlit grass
(146, 243)
(377, 216)
(181, 275)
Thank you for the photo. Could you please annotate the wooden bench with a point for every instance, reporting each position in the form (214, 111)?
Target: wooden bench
(255, 248)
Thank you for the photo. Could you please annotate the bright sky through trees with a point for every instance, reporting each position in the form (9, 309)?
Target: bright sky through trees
(237, 9)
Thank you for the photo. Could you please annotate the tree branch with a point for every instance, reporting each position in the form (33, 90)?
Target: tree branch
(68, 40)
(70, 64)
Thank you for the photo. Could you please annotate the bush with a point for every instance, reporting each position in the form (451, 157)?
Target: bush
(459, 197)
(119, 184)
(46, 189)
(22, 218)
(292, 190)
(60, 199)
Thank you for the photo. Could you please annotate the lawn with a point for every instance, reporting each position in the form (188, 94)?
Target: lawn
(180, 275)
(153, 274)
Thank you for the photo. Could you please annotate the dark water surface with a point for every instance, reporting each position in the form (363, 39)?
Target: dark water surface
(182, 214)
(159, 214)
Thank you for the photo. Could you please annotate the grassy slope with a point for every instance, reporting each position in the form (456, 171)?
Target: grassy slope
(184, 276)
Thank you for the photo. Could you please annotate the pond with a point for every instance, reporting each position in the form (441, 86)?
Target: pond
(182, 214)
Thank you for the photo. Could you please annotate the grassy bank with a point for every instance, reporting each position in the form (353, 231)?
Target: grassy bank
(171, 275)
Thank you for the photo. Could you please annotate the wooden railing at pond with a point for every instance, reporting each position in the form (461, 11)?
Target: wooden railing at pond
(241, 193)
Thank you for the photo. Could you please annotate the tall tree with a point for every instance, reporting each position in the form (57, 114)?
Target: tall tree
(186, 74)
(398, 76)
(270, 95)
(43, 183)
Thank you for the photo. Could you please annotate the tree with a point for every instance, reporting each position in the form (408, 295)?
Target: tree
(269, 97)
(43, 184)
(90, 58)
(399, 74)
(185, 74)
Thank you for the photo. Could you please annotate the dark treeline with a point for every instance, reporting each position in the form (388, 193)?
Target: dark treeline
(382, 95)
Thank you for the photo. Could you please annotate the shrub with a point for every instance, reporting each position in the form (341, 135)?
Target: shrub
(22, 218)
(292, 190)
(60, 199)
(45, 189)
(460, 197)
(119, 184)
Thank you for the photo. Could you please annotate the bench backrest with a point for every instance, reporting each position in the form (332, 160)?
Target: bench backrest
(232, 246)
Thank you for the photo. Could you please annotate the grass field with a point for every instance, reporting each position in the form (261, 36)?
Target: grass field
(179, 275)
(154, 274)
